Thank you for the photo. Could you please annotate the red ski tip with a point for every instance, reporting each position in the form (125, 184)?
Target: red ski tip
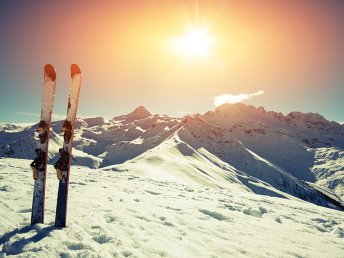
(74, 69)
(50, 72)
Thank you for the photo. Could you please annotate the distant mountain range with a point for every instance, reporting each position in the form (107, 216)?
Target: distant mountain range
(236, 146)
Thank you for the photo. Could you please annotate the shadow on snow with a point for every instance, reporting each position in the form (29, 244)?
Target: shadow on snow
(17, 246)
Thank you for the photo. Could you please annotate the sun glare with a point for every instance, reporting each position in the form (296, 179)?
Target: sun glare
(196, 43)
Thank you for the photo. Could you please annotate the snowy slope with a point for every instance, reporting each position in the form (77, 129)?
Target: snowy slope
(114, 214)
(221, 143)
(176, 161)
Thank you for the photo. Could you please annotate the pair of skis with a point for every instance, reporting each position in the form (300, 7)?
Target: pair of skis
(39, 165)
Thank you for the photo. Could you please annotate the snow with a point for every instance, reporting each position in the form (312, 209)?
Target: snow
(329, 169)
(14, 128)
(122, 214)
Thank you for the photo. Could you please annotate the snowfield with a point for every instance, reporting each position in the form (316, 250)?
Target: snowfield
(130, 214)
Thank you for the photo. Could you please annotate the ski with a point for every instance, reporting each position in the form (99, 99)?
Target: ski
(39, 164)
(62, 166)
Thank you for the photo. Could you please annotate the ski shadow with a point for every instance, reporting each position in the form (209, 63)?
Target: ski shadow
(8, 235)
(17, 246)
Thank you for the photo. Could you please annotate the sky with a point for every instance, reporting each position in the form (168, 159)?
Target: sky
(283, 55)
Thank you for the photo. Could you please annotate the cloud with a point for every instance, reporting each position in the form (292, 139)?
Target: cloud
(230, 98)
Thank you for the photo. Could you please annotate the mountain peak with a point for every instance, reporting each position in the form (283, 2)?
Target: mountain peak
(235, 107)
(139, 113)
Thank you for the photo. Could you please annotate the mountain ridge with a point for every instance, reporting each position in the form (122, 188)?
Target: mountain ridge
(263, 151)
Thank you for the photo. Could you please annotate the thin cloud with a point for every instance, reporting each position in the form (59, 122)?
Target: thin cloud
(230, 98)
(55, 116)
(26, 114)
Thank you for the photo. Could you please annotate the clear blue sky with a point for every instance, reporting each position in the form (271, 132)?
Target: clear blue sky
(291, 50)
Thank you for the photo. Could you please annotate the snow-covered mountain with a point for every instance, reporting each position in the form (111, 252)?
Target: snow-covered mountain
(292, 142)
(236, 146)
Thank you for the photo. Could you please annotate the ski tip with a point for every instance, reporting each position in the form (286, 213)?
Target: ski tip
(74, 69)
(50, 72)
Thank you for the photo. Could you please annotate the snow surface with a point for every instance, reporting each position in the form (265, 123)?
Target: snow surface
(127, 214)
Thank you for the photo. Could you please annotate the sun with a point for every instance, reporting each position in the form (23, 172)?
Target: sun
(195, 43)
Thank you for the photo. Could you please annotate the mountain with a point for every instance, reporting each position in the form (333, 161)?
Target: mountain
(236, 146)
(139, 113)
(294, 142)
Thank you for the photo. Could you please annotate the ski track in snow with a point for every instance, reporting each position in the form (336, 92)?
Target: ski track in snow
(118, 214)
